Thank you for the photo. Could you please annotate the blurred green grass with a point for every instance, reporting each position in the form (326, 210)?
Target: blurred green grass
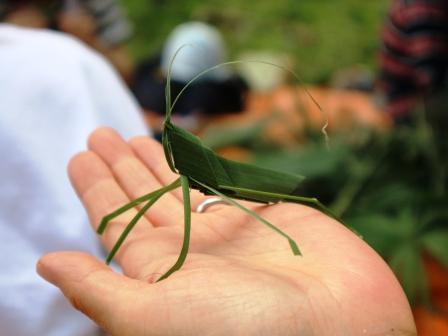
(322, 36)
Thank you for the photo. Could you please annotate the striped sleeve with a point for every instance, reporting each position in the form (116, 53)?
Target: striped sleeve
(113, 28)
(414, 54)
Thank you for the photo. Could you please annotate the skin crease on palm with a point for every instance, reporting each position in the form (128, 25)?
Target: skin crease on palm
(240, 277)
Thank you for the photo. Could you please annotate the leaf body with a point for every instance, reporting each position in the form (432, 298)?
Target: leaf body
(193, 159)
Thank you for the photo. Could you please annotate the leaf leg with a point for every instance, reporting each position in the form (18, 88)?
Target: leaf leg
(295, 249)
(315, 203)
(187, 228)
(157, 194)
(312, 201)
(106, 219)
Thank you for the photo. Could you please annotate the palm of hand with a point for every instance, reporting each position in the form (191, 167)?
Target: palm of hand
(239, 278)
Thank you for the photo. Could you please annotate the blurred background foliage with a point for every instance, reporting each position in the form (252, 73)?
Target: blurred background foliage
(320, 36)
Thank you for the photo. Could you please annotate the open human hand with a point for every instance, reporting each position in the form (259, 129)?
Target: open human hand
(240, 278)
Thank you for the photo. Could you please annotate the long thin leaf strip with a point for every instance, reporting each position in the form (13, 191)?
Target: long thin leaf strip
(187, 228)
(294, 74)
(132, 224)
(314, 202)
(106, 219)
(168, 104)
(295, 249)
(166, 141)
(167, 150)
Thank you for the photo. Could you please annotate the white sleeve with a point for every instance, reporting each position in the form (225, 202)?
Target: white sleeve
(53, 93)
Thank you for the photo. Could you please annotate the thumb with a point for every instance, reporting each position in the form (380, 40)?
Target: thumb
(93, 288)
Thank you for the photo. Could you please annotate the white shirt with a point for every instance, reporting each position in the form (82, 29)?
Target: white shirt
(53, 93)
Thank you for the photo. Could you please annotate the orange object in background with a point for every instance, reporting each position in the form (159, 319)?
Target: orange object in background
(296, 109)
(438, 283)
(430, 323)
(434, 322)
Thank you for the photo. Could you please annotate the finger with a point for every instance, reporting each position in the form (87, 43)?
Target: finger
(100, 194)
(111, 300)
(152, 155)
(134, 177)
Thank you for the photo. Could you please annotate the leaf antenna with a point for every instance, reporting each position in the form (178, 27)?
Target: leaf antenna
(187, 228)
(168, 106)
(204, 72)
(106, 219)
(295, 249)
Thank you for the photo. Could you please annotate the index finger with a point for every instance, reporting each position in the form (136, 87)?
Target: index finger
(101, 194)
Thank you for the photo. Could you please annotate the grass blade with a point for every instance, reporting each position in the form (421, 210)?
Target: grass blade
(294, 198)
(106, 219)
(295, 249)
(132, 224)
(187, 228)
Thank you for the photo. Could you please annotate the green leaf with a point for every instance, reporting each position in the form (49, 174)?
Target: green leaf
(200, 163)
(379, 231)
(436, 243)
(408, 265)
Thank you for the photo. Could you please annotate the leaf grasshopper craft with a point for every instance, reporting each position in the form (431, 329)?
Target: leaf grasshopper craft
(200, 168)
